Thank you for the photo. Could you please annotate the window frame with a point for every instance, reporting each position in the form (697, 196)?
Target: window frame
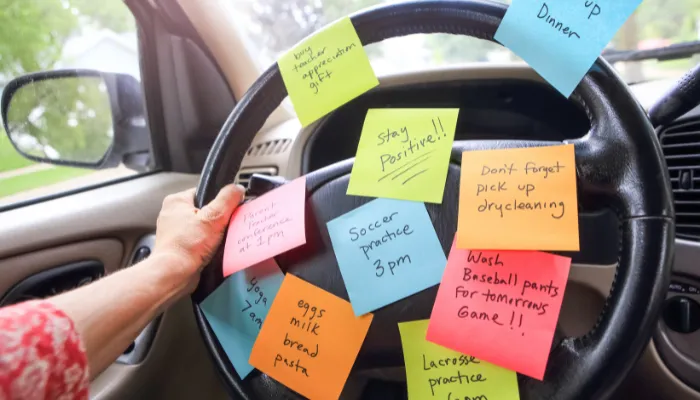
(153, 21)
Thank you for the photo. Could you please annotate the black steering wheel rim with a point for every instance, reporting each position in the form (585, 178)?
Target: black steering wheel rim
(619, 165)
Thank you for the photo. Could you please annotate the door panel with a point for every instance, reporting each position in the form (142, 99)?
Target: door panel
(109, 225)
(124, 210)
(109, 252)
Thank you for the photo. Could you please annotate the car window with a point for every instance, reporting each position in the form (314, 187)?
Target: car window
(66, 119)
(271, 27)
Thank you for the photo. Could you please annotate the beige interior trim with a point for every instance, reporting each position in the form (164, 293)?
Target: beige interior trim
(14, 269)
(130, 207)
(176, 367)
(215, 22)
(288, 130)
(651, 379)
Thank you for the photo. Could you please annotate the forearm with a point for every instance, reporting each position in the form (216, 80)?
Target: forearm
(111, 312)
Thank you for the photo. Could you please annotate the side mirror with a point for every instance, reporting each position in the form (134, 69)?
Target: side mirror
(80, 118)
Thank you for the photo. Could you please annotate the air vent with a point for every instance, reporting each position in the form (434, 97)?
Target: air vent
(681, 147)
(244, 174)
(269, 148)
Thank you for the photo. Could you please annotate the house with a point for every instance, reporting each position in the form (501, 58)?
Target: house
(102, 50)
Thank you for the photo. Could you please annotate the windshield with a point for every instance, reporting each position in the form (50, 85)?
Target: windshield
(270, 27)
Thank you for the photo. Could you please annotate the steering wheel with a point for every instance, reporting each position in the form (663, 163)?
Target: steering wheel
(619, 166)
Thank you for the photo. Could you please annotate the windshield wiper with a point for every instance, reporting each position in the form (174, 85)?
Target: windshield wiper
(673, 52)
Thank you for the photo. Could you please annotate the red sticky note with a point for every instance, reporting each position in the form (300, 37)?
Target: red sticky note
(503, 304)
(265, 227)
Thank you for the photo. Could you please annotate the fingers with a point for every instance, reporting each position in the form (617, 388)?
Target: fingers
(220, 209)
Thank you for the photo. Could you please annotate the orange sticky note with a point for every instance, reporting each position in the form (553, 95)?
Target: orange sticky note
(265, 227)
(506, 304)
(309, 340)
(518, 199)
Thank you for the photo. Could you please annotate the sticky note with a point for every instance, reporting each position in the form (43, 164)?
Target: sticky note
(326, 70)
(265, 227)
(236, 310)
(309, 340)
(505, 304)
(562, 39)
(386, 250)
(518, 199)
(404, 154)
(434, 371)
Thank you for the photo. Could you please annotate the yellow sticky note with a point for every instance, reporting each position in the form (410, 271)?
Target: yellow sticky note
(404, 154)
(518, 199)
(435, 372)
(326, 70)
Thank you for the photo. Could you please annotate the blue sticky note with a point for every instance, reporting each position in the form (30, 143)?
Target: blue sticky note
(238, 307)
(387, 250)
(561, 39)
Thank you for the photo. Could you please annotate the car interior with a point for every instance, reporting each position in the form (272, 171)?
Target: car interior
(629, 326)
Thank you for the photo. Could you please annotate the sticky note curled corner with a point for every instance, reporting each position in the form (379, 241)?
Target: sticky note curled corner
(265, 227)
(562, 39)
(433, 371)
(387, 250)
(237, 309)
(310, 340)
(508, 301)
(404, 154)
(518, 199)
(326, 70)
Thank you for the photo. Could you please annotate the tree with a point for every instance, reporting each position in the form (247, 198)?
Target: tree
(277, 25)
(68, 118)
(32, 34)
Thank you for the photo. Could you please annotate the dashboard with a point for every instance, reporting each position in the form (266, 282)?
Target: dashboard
(489, 109)
(495, 101)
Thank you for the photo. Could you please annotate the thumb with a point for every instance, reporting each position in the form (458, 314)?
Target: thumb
(219, 210)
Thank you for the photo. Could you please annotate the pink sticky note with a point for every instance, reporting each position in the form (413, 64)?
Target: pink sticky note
(500, 306)
(265, 227)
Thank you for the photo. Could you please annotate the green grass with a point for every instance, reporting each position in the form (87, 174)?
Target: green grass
(37, 179)
(9, 157)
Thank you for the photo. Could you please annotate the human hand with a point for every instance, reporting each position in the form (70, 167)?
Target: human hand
(187, 237)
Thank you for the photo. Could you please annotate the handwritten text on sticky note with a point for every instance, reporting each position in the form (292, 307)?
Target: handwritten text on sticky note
(404, 154)
(518, 199)
(326, 70)
(236, 310)
(265, 227)
(434, 371)
(310, 340)
(508, 301)
(561, 39)
(386, 250)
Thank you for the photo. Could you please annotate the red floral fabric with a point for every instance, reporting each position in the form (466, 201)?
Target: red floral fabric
(41, 354)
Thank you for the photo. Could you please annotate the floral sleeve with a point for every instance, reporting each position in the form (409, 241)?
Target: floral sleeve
(41, 354)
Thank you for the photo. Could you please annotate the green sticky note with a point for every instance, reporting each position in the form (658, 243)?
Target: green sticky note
(404, 154)
(435, 372)
(326, 70)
